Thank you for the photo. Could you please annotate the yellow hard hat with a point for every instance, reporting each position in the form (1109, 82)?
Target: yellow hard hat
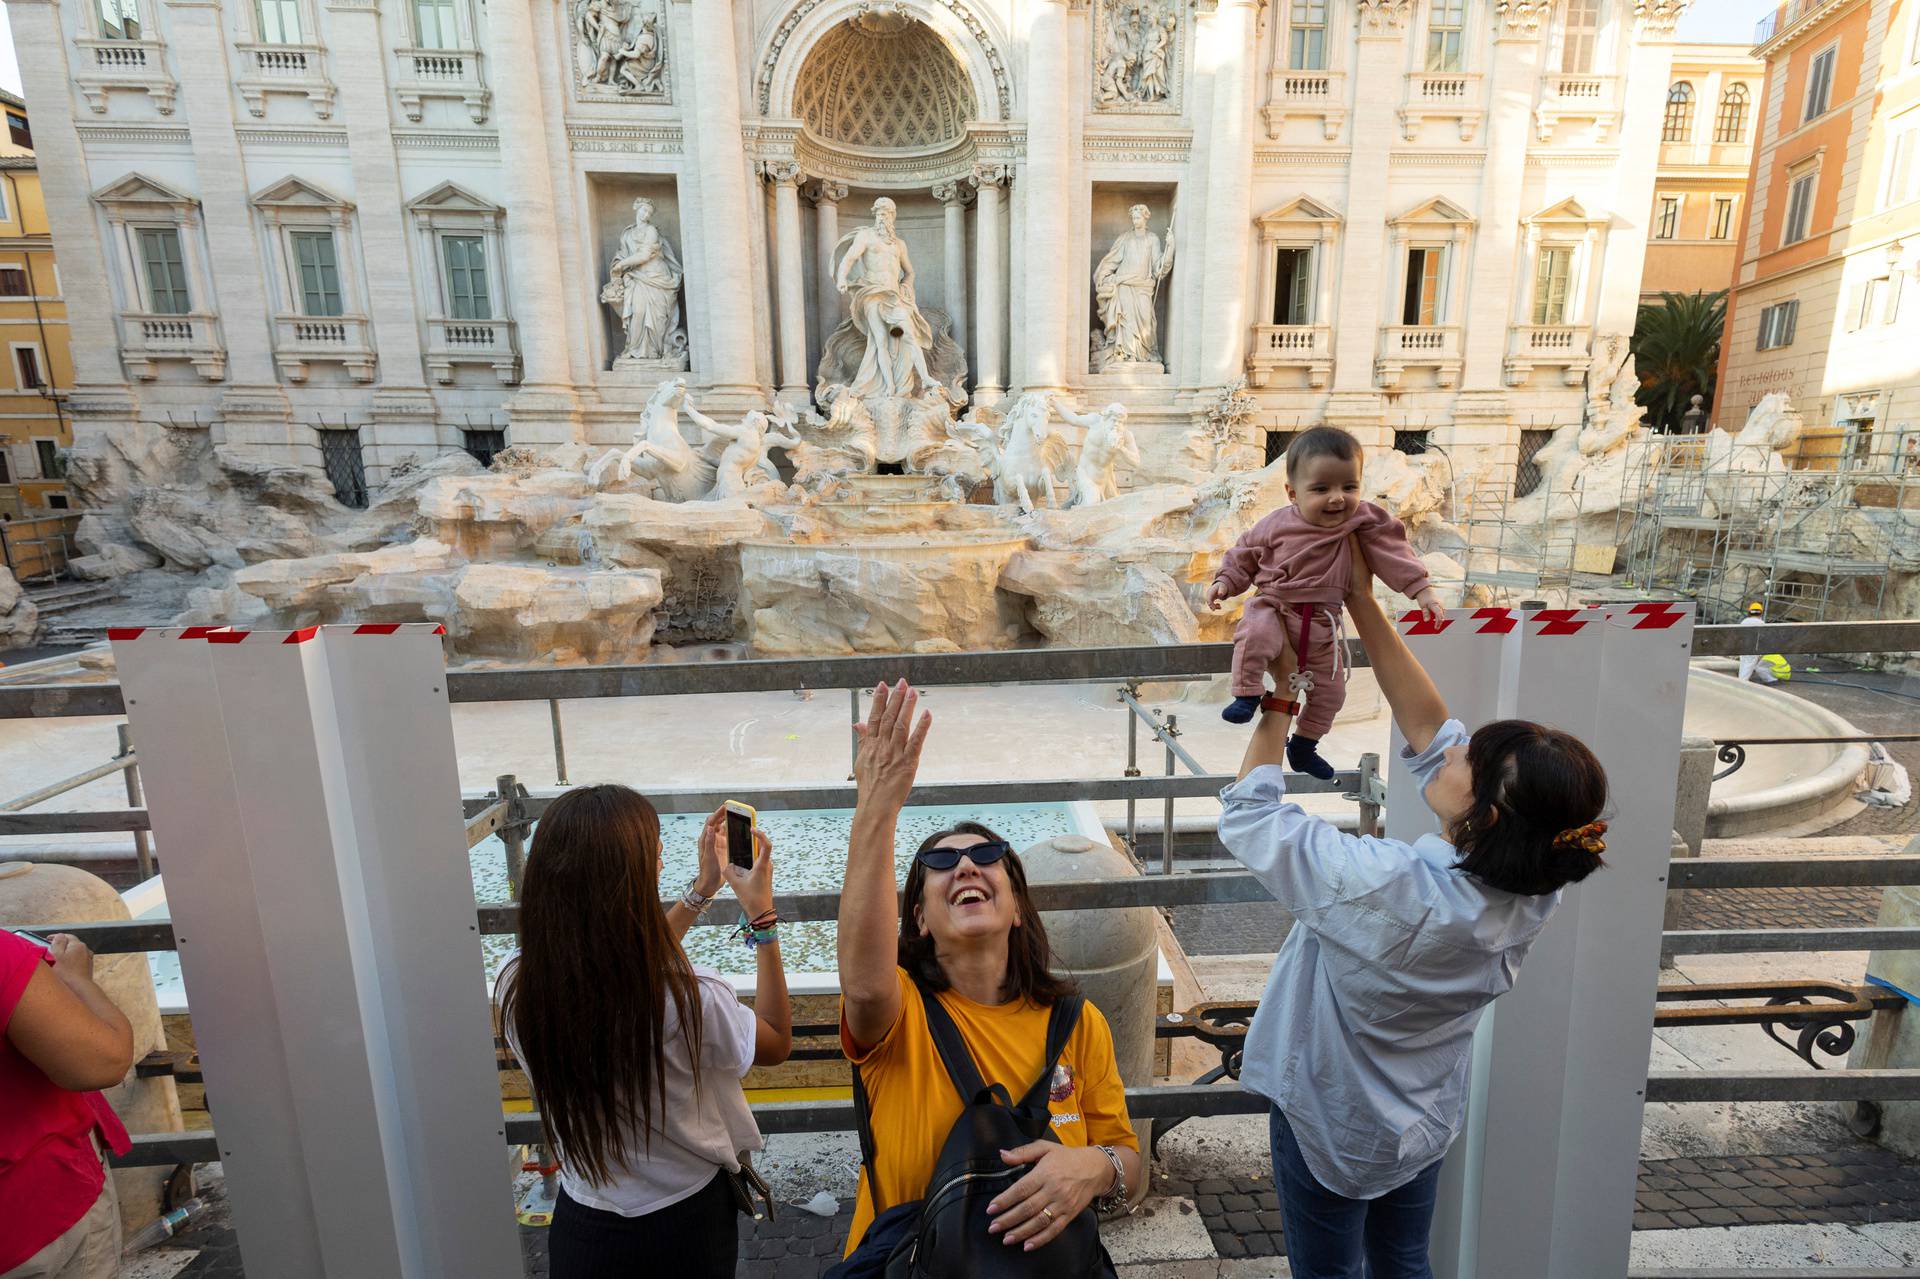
(1755, 608)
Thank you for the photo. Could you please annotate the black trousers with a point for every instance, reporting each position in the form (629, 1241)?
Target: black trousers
(697, 1238)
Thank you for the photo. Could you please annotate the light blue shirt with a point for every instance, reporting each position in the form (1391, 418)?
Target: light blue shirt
(1363, 1037)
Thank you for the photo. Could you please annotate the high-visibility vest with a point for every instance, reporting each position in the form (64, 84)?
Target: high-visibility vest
(1778, 665)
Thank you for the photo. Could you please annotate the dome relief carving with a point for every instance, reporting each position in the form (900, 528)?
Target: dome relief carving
(884, 81)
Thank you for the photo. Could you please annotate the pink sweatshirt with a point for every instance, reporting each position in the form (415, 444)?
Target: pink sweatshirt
(1302, 563)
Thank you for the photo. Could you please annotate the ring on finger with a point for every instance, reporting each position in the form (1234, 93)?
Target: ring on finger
(1049, 1213)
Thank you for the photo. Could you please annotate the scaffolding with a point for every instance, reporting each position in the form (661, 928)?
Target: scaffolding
(1827, 531)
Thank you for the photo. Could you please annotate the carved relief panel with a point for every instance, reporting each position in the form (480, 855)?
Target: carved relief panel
(1138, 53)
(621, 51)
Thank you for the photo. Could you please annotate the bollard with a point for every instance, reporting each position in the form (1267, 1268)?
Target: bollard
(142, 850)
(1694, 787)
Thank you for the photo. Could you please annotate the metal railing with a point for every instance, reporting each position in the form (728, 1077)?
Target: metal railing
(511, 811)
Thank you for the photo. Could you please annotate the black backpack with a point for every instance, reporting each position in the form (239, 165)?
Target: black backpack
(944, 1235)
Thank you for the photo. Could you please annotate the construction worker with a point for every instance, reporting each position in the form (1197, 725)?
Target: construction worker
(1765, 670)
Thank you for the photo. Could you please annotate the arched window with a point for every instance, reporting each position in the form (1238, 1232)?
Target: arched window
(1730, 125)
(1679, 127)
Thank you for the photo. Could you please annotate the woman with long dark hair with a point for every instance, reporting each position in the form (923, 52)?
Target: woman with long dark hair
(634, 1052)
(965, 935)
(1363, 1035)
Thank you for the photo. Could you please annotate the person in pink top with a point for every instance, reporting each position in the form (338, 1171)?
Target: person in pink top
(61, 1041)
(1299, 562)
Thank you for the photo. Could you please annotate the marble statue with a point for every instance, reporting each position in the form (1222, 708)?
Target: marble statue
(1136, 51)
(1773, 425)
(660, 454)
(1125, 285)
(744, 463)
(877, 276)
(1020, 464)
(1107, 442)
(643, 288)
(629, 62)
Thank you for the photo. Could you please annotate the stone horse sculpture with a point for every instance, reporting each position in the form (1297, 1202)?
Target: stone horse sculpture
(1019, 460)
(660, 453)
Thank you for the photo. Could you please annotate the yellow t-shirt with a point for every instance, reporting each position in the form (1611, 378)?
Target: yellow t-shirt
(914, 1104)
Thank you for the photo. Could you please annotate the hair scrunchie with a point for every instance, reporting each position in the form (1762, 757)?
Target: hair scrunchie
(1590, 838)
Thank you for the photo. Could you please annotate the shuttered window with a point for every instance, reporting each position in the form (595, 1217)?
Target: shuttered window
(166, 276)
(1551, 279)
(318, 271)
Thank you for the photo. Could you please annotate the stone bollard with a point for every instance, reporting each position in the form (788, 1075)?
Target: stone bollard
(1112, 954)
(33, 896)
(1891, 1041)
(1690, 798)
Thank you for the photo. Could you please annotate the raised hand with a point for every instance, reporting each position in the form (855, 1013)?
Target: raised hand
(889, 755)
(1218, 594)
(707, 876)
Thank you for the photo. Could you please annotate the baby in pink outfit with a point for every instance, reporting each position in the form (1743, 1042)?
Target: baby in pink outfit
(1300, 563)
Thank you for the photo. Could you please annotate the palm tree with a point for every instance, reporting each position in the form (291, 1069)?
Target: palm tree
(1676, 349)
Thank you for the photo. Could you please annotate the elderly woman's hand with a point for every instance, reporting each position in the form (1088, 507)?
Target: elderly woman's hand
(1057, 1188)
(890, 742)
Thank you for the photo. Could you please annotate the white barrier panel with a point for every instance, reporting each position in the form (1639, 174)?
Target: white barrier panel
(1541, 1181)
(303, 786)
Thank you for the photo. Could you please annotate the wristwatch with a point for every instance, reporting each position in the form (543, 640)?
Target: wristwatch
(694, 902)
(1115, 1200)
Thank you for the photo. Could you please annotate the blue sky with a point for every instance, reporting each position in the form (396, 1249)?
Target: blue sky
(1731, 21)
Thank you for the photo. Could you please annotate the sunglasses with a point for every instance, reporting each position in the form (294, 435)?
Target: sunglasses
(985, 853)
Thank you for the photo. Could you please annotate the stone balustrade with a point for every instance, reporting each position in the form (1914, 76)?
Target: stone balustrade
(490, 342)
(147, 340)
(300, 340)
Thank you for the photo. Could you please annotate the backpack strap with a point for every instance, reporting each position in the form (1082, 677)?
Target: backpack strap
(952, 1047)
(1061, 1020)
(863, 1125)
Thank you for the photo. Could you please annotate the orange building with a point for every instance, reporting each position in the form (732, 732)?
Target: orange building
(1700, 187)
(1826, 303)
(36, 369)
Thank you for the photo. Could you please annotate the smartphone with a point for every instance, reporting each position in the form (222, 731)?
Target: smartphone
(740, 819)
(35, 938)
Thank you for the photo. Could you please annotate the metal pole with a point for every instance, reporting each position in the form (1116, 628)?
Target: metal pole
(1133, 770)
(559, 742)
(513, 833)
(1166, 818)
(853, 731)
(141, 849)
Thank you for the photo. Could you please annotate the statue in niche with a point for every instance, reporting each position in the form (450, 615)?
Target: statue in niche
(1125, 286)
(660, 454)
(643, 288)
(626, 56)
(1136, 54)
(877, 276)
(1107, 441)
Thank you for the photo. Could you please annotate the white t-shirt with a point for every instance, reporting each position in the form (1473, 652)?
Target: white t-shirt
(695, 1133)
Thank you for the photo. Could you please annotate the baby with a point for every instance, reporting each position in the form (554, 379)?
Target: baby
(1300, 563)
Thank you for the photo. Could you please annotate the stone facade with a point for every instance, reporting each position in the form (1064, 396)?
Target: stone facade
(393, 224)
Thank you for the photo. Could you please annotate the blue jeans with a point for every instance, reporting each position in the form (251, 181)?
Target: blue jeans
(1330, 1236)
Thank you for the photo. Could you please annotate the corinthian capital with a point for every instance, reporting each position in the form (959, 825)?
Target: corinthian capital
(1521, 17)
(826, 191)
(1658, 17)
(1383, 17)
(781, 173)
(992, 175)
(955, 192)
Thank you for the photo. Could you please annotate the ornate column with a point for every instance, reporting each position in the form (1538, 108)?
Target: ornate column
(1223, 286)
(1048, 285)
(826, 196)
(790, 279)
(725, 247)
(989, 269)
(545, 407)
(953, 197)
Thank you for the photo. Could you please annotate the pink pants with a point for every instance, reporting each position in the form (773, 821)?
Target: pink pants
(1267, 625)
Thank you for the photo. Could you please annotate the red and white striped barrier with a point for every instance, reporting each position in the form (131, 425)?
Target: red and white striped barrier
(304, 796)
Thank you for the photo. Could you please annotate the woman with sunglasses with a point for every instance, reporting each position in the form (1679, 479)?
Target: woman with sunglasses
(967, 931)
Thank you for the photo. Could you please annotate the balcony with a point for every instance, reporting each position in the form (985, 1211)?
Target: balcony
(489, 342)
(147, 341)
(1277, 347)
(1576, 97)
(1320, 95)
(1418, 346)
(297, 70)
(420, 74)
(136, 65)
(1433, 95)
(301, 340)
(1567, 347)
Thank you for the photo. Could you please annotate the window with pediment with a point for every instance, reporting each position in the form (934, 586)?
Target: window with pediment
(157, 259)
(315, 281)
(465, 297)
